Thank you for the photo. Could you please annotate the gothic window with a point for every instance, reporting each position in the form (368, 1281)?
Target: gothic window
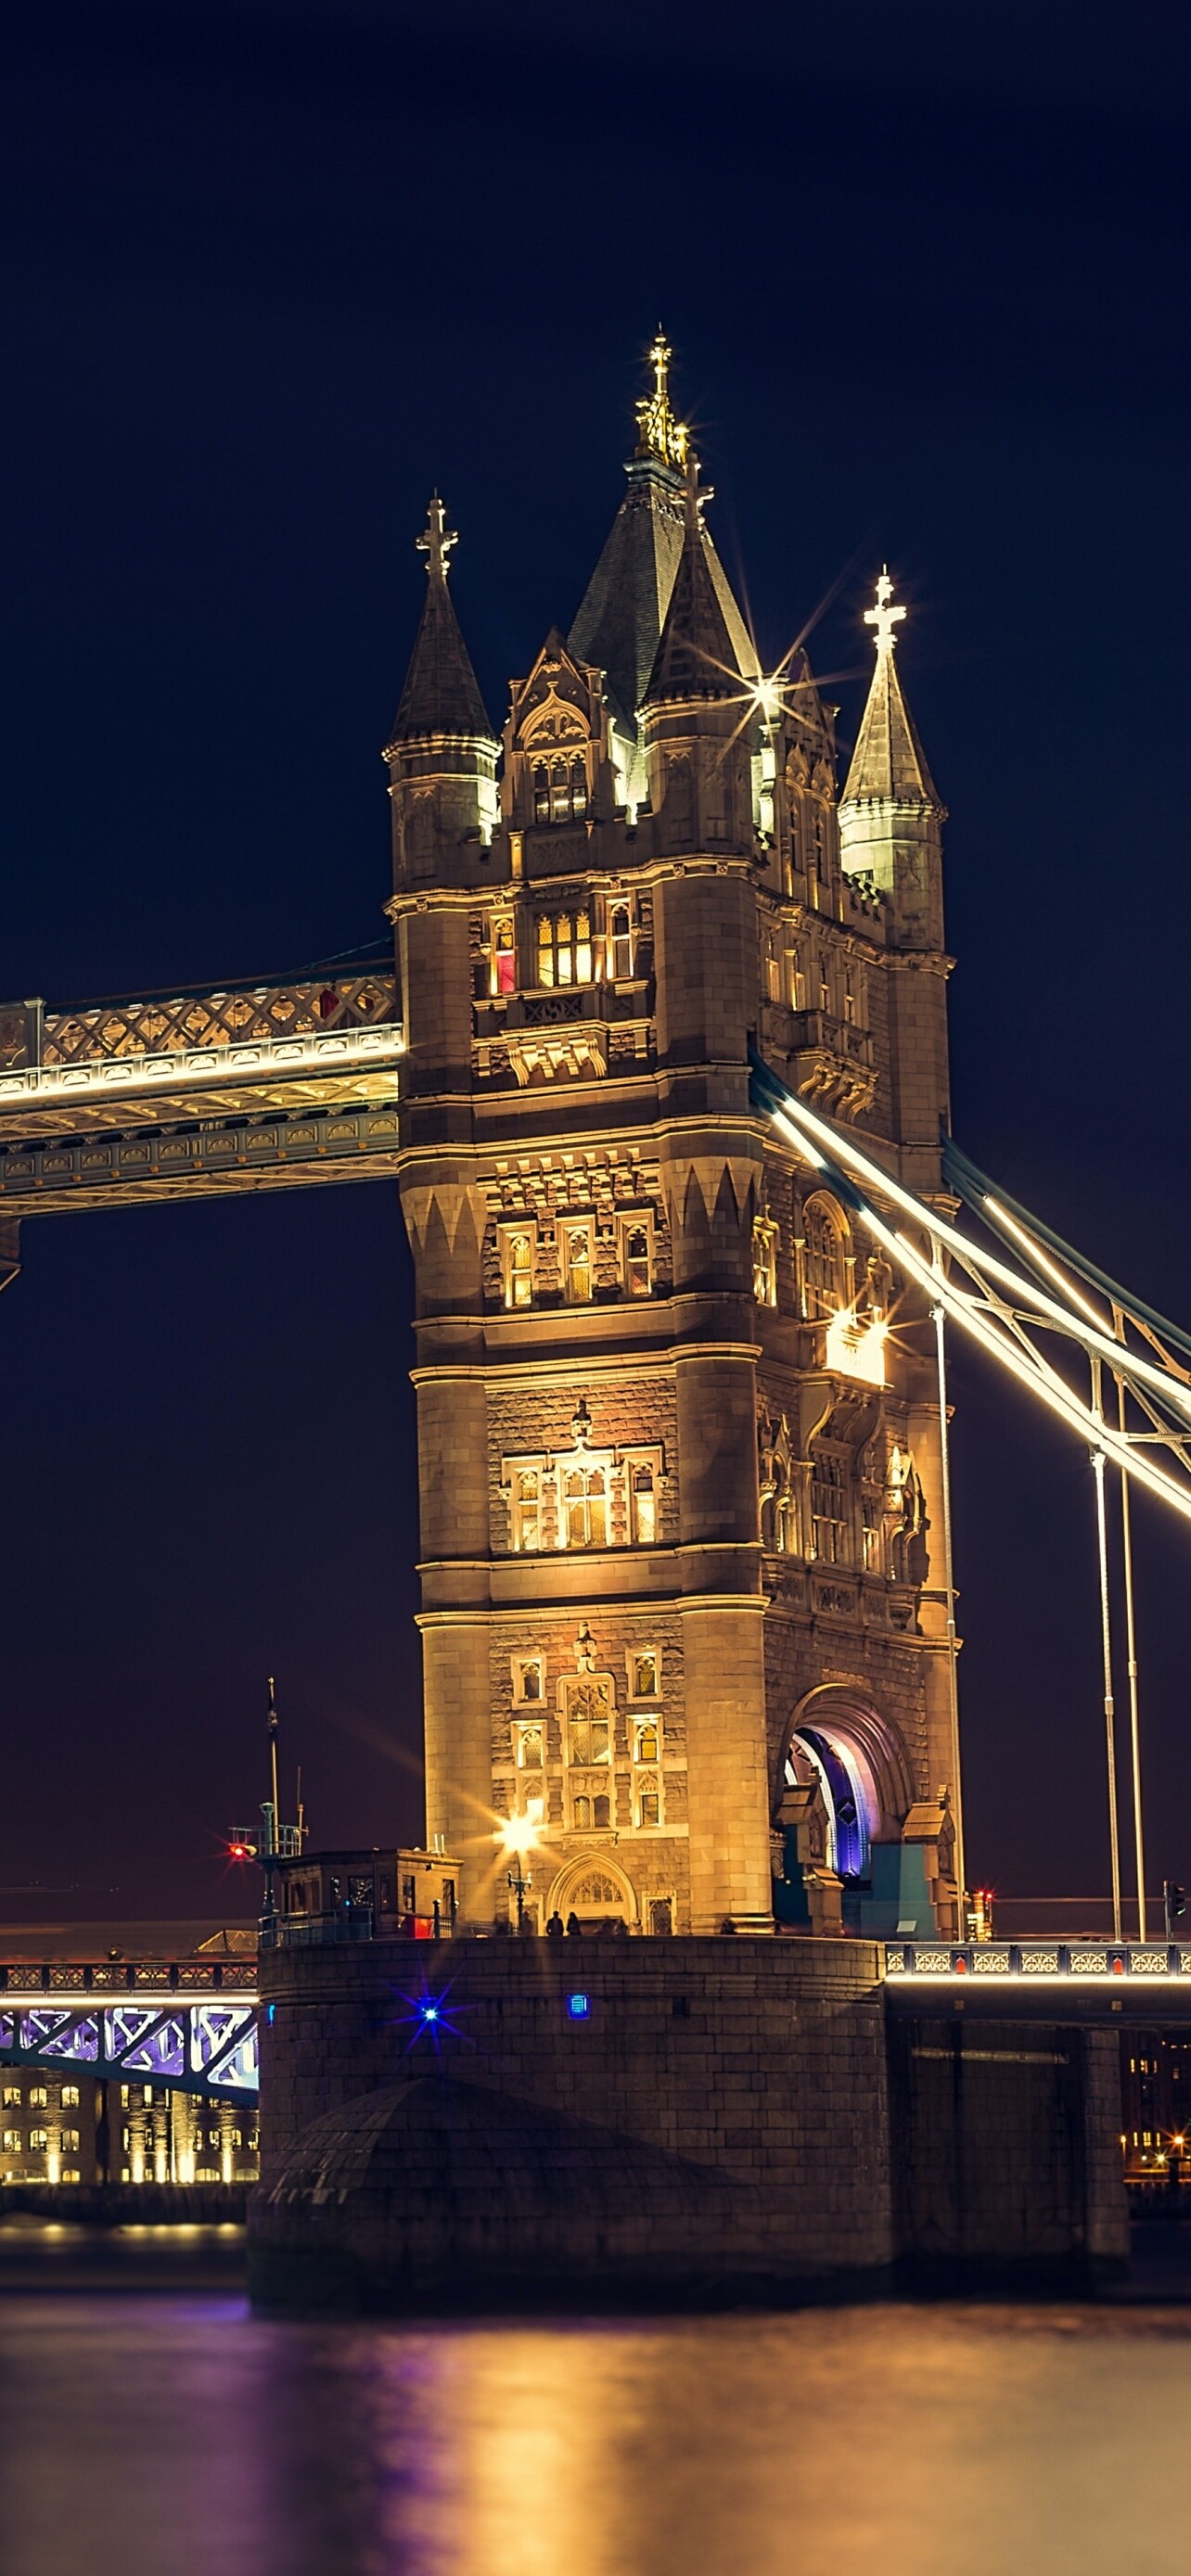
(576, 1264)
(531, 1748)
(829, 1505)
(764, 1261)
(541, 792)
(643, 1674)
(649, 1804)
(527, 1678)
(70, 2097)
(645, 1747)
(517, 1246)
(872, 1515)
(527, 1508)
(820, 848)
(581, 1812)
(824, 991)
(797, 981)
(826, 1285)
(620, 943)
(589, 1725)
(504, 958)
(643, 1500)
(773, 972)
(564, 948)
(39, 2140)
(38, 2097)
(849, 1001)
(661, 1915)
(585, 1507)
(637, 1260)
(12, 2142)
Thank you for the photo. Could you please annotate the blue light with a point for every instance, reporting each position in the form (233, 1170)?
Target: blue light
(272, 2013)
(430, 2012)
(578, 2007)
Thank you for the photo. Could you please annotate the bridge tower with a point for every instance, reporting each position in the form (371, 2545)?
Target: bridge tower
(678, 1443)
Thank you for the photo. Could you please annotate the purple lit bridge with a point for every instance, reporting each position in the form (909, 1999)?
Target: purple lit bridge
(189, 2023)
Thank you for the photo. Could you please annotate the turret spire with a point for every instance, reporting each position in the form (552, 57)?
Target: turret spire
(658, 433)
(889, 761)
(441, 693)
(696, 657)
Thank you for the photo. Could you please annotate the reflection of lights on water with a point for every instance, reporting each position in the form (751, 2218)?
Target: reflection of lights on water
(856, 1349)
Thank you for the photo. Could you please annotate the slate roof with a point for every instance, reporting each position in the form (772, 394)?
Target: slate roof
(441, 693)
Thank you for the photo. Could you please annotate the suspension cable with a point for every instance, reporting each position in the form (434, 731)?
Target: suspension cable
(1131, 1659)
(1099, 1463)
(957, 1813)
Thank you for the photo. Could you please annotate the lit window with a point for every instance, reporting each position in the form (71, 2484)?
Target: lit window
(644, 1506)
(38, 2097)
(581, 1810)
(527, 1677)
(585, 1507)
(576, 1264)
(643, 1675)
(541, 793)
(564, 948)
(70, 2142)
(504, 958)
(873, 1517)
(530, 1748)
(39, 2140)
(797, 981)
(70, 2097)
(649, 1808)
(589, 1727)
(824, 992)
(12, 2093)
(646, 1746)
(764, 1261)
(849, 1003)
(527, 1510)
(560, 790)
(825, 1284)
(620, 943)
(518, 1268)
(773, 971)
(637, 1262)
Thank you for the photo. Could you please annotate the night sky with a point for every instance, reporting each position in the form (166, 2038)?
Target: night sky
(269, 274)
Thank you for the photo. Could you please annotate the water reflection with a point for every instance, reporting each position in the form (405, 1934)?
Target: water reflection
(145, 2433)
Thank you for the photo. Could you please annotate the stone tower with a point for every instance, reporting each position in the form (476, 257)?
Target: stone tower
(678, 1439)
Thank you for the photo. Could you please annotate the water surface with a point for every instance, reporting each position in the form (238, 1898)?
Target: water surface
(171, 2434)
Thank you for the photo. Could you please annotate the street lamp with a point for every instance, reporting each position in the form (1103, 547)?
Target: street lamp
(519, 1835)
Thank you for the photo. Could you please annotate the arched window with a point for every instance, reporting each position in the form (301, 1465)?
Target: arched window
(649, 1805)
(830, 1505)
(826, 1284)
(620, 943)
(644, 1506)
(589, 1727)
(505, 958)
(527, 1510)
(647, 1740)
(518, 1270)
(578, 789)
(601, 1813)
(581, 1811)
(582, 948)
(636, 1261)
(585, 1500)
(541, 793)
(576, 1266)
(529, 1748)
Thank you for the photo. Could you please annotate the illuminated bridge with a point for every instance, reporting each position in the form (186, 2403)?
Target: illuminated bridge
(189, 2024)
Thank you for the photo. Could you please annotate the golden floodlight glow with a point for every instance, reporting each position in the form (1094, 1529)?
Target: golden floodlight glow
(767, 698)
(855, 1349)
(518, 1834)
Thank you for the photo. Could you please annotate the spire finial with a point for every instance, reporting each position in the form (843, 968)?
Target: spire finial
(883, 616)
(438, 539)
(658, 433)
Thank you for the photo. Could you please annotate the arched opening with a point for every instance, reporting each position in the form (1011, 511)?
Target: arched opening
(595, 1891)
(814, 1754)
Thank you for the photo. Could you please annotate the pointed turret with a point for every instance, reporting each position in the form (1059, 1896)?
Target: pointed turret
(696, 657)
(890, 821)
(889, 761)
(443, 749)
(620, 621)
(441, 693)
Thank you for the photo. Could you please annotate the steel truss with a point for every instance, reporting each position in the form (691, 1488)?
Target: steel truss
(205, 2048)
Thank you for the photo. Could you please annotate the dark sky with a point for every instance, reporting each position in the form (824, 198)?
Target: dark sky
(270, 272)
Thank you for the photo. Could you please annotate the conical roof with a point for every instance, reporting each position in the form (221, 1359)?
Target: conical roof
(696, 657)
(441, 693)
(889, 761)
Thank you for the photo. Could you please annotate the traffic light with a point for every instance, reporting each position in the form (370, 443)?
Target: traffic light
(240, 1845)
(1174, 1903)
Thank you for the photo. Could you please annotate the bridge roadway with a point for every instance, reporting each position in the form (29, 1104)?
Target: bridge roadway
(191, 2024)
(1079, 1981)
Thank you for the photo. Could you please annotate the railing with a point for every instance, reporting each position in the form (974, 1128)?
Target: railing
(239, 1014)
(310, 1931)
(110, 1976)
(1028, 1962)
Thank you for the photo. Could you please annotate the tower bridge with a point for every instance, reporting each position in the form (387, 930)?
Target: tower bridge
(658, 1061)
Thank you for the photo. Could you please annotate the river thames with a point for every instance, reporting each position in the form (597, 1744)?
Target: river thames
(167, 2432)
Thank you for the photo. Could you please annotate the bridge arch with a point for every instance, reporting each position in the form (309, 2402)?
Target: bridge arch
(839, 1740)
